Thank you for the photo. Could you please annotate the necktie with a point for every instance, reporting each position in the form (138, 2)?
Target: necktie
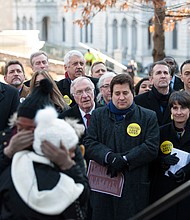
(87, 116)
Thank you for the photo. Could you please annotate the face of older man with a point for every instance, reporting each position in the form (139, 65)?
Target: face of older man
(105, 89)
(40, 63)
(84, 95)
(15, 76)
(75, 67)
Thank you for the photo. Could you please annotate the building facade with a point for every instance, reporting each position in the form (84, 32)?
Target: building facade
(123, 35)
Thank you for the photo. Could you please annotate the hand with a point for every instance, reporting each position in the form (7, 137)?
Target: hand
(179, 176)
(169, 160)
(60, 156)
(116, 163)
(20, 141)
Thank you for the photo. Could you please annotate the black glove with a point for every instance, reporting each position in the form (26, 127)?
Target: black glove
(116, 164)
(169, 160)
(179, 176)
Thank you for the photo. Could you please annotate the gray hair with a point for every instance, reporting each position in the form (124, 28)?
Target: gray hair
(103, 77)
(36, 54)
(79, 80)
(70, 54)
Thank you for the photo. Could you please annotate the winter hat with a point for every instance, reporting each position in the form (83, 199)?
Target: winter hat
(66, 191)
(38, 99)
(54, 130)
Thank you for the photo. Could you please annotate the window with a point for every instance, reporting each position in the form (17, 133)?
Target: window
(45, 25)
(174, 36)
(115, 30)
(134, 38)
(63, 26)
(124, 37)
(149, 35)
(31, 24)
(18, 23)
(86, 33)
(24, 23)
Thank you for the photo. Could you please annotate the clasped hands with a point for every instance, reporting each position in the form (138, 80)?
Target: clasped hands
(116, 164)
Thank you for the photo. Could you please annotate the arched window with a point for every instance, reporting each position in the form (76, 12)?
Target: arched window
(18, 23)
(115, 33)
(63, 26)
(24, 27)
(124, 37)
(174, 36)
(134, 38)
(45, 24)
(31, 24)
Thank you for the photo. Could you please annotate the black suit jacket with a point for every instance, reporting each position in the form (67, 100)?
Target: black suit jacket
(9, 101)
(74, 113)
(178, 84)
(65, 84)
(149, 101)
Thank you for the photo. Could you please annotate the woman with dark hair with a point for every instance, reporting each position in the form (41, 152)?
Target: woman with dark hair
(173, 137)
(142, 86)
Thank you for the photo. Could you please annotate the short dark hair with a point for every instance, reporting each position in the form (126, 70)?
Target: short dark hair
(96, 63)
(12, 62)
(122, 79)
(181, 97)
(160, 62)
(183, 64)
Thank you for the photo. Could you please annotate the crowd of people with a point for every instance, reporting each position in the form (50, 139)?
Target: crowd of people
(116, 146)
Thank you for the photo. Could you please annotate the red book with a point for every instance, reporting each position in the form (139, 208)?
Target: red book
(101, 182)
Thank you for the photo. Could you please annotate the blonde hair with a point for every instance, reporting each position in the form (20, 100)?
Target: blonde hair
(55, 95)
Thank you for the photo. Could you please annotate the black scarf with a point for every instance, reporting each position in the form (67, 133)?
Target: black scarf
(162, 99)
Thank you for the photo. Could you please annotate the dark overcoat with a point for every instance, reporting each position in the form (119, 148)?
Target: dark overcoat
(149, 101)
(9, 101)
(163, 184)
(106, 134)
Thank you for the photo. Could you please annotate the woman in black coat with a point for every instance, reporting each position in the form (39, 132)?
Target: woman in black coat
(173, 135)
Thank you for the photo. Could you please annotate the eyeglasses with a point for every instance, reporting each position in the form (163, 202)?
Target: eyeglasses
(88, 91)
(106, 86)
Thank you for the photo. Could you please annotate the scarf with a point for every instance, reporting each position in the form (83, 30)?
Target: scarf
(119, 114)
(162, 99)
(48, 202)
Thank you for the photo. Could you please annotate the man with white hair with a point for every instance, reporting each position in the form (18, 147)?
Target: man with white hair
(74, 63)
(82, 90)
(103, 85)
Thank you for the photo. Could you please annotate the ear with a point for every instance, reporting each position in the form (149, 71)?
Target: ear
(150, 79)
(5, 78)
(181, 77)
(65, 66)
